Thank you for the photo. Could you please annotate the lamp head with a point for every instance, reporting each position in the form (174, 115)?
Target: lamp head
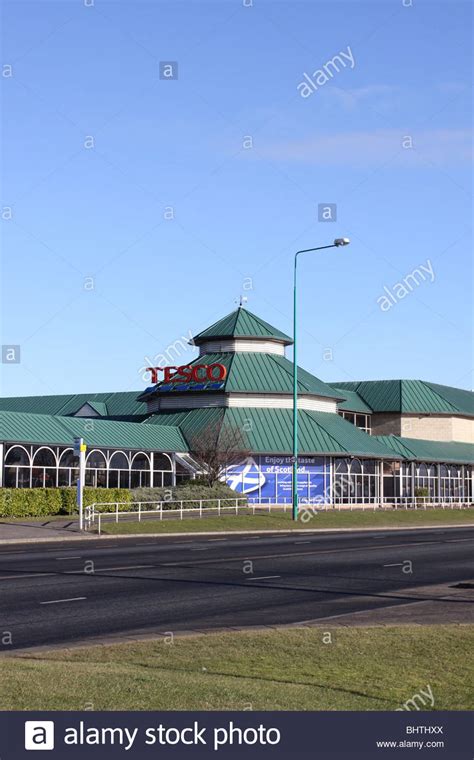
(341, 241)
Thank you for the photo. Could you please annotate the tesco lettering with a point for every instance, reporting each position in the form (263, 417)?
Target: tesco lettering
(187, 373)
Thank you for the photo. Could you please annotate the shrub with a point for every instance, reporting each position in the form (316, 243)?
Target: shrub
(108, 495)
(36, 502)
(423, 492)
(29, 502)
(190, 492)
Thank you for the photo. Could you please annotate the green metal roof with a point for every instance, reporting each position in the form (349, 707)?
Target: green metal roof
(412, 396)
(242, 324)
(430, 451)
(98, 406)
(352, 401)
(271, 431)
(121, 404)
(18, 427)
(249, 372)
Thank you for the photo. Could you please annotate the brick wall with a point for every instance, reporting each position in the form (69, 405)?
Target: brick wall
(427, 427)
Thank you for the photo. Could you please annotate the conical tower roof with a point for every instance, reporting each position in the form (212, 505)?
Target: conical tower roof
(242, 324)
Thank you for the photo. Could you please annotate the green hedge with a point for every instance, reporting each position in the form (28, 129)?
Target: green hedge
(36, 502)
(190, 492)
(30, 502)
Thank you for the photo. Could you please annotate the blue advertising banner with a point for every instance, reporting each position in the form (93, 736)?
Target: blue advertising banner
(269, 478)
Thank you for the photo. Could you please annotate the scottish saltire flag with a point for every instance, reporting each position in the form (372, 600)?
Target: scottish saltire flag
(245, 477)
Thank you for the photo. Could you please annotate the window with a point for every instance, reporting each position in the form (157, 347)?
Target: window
(17, 468)
(96, 472)
(68, 472)
(361, 421)
(119, 471)
(355, 481)
(140, 473)
(43, 473)
(162, 470)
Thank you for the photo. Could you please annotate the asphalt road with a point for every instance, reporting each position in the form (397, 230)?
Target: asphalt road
(63, 593)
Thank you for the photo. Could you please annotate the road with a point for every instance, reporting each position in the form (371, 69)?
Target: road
(59, 593)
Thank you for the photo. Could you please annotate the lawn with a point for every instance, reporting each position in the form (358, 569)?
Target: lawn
(283, 521)
(324, 668)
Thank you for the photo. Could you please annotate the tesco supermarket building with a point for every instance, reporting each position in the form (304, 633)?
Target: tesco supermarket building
(359, 442)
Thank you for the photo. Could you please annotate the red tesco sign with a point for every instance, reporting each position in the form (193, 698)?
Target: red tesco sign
(196, 373)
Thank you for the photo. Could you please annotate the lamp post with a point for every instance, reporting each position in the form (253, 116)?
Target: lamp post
(337, 244)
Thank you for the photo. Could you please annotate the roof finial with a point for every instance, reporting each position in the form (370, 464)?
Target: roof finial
(241, 300)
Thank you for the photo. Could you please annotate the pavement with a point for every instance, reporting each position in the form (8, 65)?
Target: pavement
(17, 529)
(62, 593)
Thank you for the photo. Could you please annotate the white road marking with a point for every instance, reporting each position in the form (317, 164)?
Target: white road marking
(202, 549)
(63, 558)
(316, 552)
(457, 540)
(58, 601)
(106, 569)
(24, 575)
(263, 578)
(395, 564)
(217, 539)
(302, 542)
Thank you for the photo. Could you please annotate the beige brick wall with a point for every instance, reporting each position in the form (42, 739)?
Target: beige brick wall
(386, 424)
(428, 427)
(463, 429)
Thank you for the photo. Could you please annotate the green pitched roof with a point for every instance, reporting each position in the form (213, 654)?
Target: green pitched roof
(249, 372)
(120, 404)
(98, 406)
(412, 396)
(352, 401)
(271, 430)
(18, 427)
(242, 324)
(429, 451)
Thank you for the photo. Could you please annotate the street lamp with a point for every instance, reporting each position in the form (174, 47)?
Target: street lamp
(338, 243)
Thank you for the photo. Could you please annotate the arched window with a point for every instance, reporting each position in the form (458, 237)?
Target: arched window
(119, 471)
(69, 459)
(17, 468)
(96, 470)
(444, 481)
(119, 461)
(44, 472)
(17, 455)
(162, 470)
(96, 461)
(454, 480)
(68, 472)
(341, 487)
(140, 474)
(44, 457)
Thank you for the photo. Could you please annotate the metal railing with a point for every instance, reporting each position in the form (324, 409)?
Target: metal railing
(113, 510)
(177, 509)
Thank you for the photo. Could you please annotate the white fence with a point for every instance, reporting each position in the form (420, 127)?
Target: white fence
(172, 509)
(97, 513)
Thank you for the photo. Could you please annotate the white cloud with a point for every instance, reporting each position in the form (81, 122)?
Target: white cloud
(444, 147)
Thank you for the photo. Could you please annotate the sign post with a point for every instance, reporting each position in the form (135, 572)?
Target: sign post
(80, 449)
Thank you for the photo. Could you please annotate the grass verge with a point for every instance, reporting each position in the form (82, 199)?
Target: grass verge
(282, 521)
(288, 669)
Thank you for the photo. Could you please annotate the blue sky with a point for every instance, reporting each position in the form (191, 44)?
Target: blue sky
(97, 149)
